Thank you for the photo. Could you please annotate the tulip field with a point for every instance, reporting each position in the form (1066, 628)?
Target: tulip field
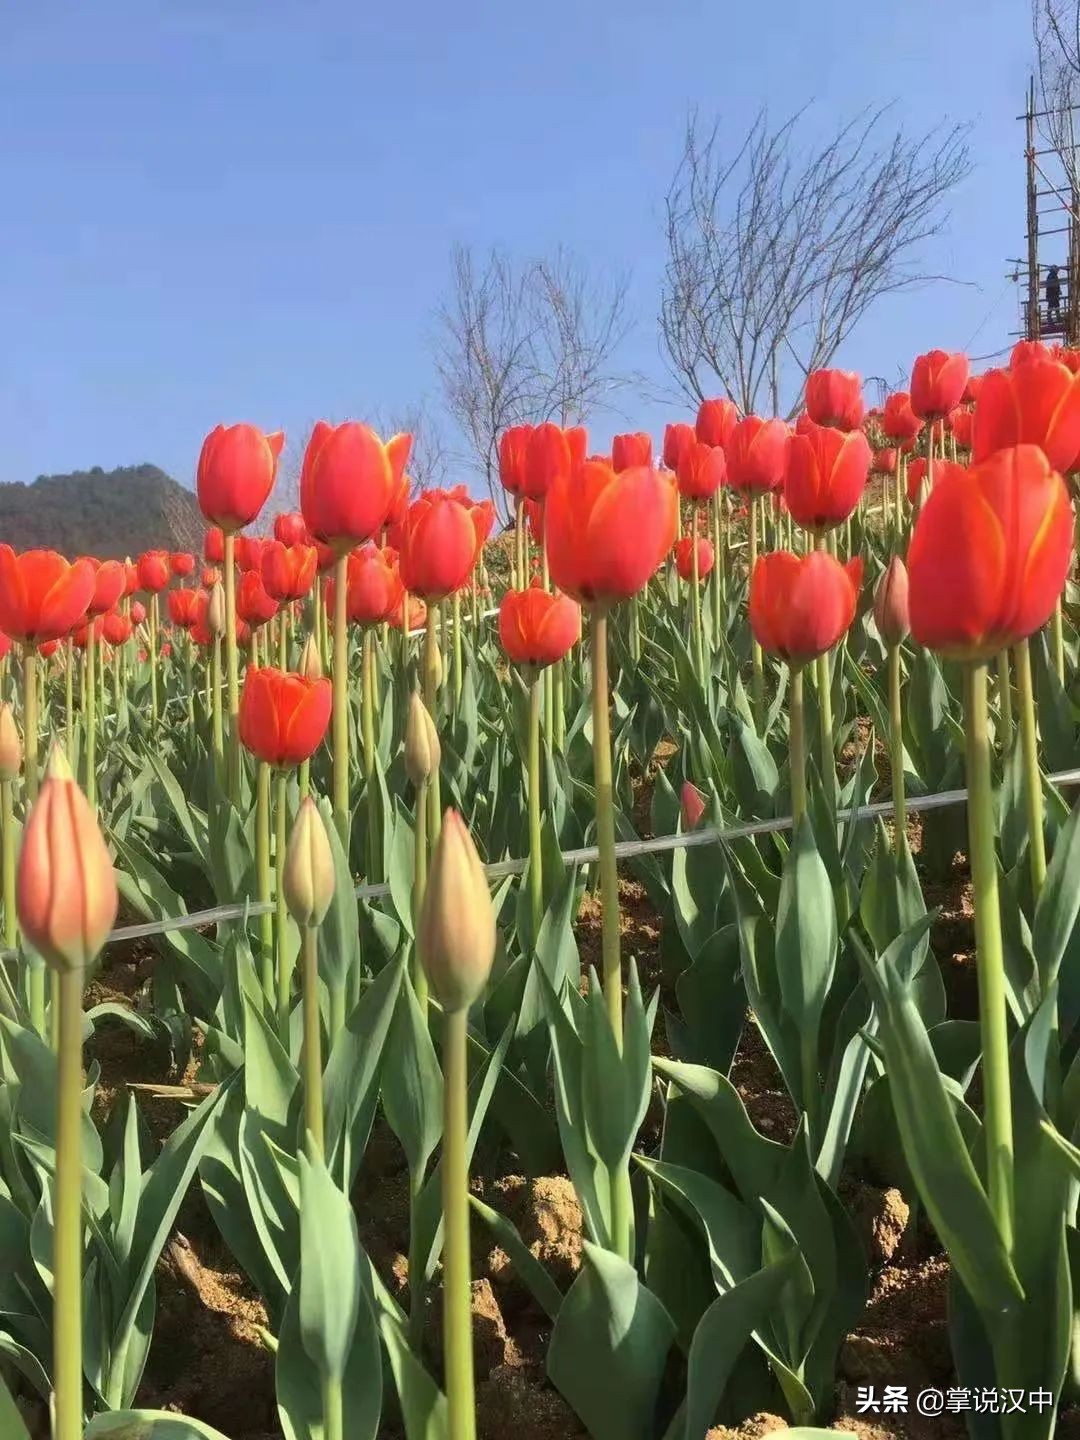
(602, 965)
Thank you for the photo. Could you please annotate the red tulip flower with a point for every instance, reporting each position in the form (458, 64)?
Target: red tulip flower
(972, 389)
(483, 518)
(884, 462)
(916, 474)
(537, 628)
(410, 613)
(154, 571)
(702, 470)
(834, 397)
(183, 607)
(827, 471)
(1025, 352)
(962, 426)
(283, 717)
(757, 454)
(373, 589)
(349, 482)
(210, 576)
(899, 422)
(716, 419)
(48, 648)
(676, 438)
(290, 529)
(801, 605)
(138, 612)
(438, 546)
(42, 597)
(116, 628)
(288, 571)
(547, 457)
(628, 451)
(606, 534)
(214, 546)
(110, 578)
(513, 443)
(182, 563)
(684, 557)
(1036, 402)
(236, 474)
(5, 645)
(253, 604)
(938, 380)
(692, 805)
(989, 554)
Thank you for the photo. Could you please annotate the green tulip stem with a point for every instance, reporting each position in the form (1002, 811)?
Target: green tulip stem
(312, 1044)
(997, 1122)
(67, 1214)
(605, 824)
(797, 745)
(281, 913)
(8, 842)
(536, 873)
(521, 578)
(1058, 635)
(69, 691)
(1033, 796)
(340, 720)
(153, 607)
(695, 601)
(189, 683)
(635, 631)
(232, 670)
(758, 690)
(31, 761)
(558, 704)
(367, 730)
(283, 638)
(217, 726)
(719, 566)
(431, 700)
(333, 1422)
(262, 871)
(91, 715)
(1005, 702)
(823, 674)
(420, 867)
(896, 747)
(457, 1274)
(458, 651)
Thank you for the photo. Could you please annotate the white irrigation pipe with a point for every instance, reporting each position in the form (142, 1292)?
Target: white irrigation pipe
(624, 849)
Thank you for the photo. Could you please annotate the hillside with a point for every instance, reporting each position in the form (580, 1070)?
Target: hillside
(97, 512)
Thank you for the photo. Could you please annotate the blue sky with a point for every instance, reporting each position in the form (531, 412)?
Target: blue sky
(224, 209)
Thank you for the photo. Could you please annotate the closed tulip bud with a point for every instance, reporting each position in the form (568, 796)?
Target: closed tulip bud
(692, 804)
(308, 881)
(891, 603)
(422, 749)
(66, 887)
(11, 755)
(310, 660)
(457, 923)
(215, 612)
(437, 665)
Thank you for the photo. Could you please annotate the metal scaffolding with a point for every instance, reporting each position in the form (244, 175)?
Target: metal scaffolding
(1053, 211)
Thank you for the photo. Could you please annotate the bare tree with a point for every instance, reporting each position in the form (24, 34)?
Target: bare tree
(776, 252)
(1056, 27)
(525, 343)
(429, 460)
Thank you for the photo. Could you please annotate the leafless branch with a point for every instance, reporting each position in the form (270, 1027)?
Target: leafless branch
(775, 253)
(1056, 28)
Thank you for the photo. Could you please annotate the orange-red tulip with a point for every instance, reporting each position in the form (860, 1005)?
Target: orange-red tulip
(138, 612)
(962, 425)
(182, 563)
(702, 470)
(1024, 352)
(349, 481)
(374, 588)
(1035, 402)
(606, 534)
(630, 450)
(938, 380)
(891, 611)
(253, 604)
(676, 438)
(154, 571)
(290, 529)
(800, 605)
(989, 554)
(438, 546)
(716, 419)
(757, 454)
(884, 462)
(410, 613)
(547, 457)
(827, 471)
(288, 571)
(249, 552)
(537, 628)
(214, 546)
(183, 607)
(110, 578)
(5, 645)
(916, 474)
(116, 628)
(283, 717)
(692, 804)
(899, 422)
(210, 576)
(834, 397)
(513, 444)
(684, 557)
(236, 473)
(42, 597)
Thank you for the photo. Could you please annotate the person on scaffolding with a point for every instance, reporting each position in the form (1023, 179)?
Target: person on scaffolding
(1053, 296)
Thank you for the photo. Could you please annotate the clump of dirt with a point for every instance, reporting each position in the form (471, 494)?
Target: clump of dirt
(902, 1338)
(548, 1218)
(756, 1427)
(510, 1403)
(880, 1218)
(639, 928)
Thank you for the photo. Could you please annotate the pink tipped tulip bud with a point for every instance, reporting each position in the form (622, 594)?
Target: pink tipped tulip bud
(693, 806)
(308, 881)
(311, 661)
(11, 755)
(457, 923)
(891, 603)
(66, 888)
(215, 611)
(422, 749)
